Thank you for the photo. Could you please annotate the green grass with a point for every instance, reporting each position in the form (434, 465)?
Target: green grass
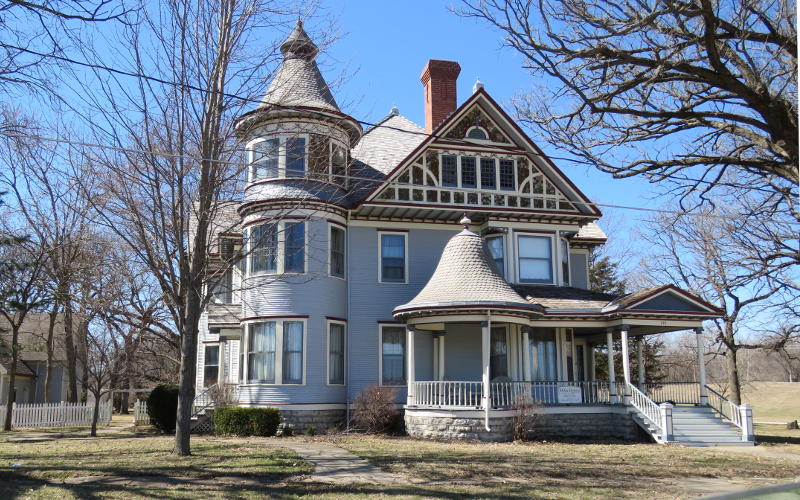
(773, 401)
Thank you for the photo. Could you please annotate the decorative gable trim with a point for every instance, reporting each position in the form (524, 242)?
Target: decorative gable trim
(670, 290)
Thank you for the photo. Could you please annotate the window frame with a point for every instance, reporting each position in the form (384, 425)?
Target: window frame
(226, 280)
(206, 346)
(343, 324)
(563, 249)
(551, 238)
(279, 351)
(456, 174)
(502, 238)
(280, 253)
(482, 129)
(283, 155)
(507, 355)
(404, 234)
(331, 227)
(405, 354)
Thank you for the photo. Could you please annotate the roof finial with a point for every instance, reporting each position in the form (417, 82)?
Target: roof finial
(394, 111)
(478, 85)
(465, 221)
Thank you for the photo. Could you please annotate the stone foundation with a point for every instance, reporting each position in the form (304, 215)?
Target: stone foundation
(469, 425)
(320, 420)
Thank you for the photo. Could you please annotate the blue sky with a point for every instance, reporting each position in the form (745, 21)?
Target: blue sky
(384, 46)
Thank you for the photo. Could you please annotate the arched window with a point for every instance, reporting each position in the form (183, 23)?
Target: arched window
(477, 133)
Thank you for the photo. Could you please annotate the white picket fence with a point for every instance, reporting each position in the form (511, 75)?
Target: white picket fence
(56, 414)
(140, 415)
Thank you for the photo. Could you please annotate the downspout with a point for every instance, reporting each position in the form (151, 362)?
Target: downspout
(348, 358)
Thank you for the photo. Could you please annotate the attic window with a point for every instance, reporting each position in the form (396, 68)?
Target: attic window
(477, 133)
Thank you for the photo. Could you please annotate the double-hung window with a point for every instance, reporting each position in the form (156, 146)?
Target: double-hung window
(337, 243)
(507, 175)
(336, 350)
(469, 175)
(265, 160)
(261, 352)
(263, 248)
(535, 259)
(497, 251)
(498, 361)
(211, 365)
(393, 257)
(295, 156)
(294, 247)
(449, 170)
(393, 355)
(275, 352)
(488, 175)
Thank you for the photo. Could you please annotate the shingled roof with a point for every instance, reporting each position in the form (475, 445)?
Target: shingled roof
(564, 297)
(466, 277)
(299, 81)
(388, 142)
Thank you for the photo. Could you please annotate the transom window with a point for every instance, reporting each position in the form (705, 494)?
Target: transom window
(393, 355)
(535, 259)
(276, 247)
(393, 258)
(268, 338)
(276, 157)
(463, 171)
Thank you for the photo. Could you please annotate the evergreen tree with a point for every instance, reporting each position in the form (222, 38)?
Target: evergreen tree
(604, 275)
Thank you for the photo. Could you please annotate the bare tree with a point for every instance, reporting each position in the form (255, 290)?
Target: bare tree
(19, 283)
(702, 93)
(701, 253)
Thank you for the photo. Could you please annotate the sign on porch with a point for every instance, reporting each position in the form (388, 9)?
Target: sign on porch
(569, 394)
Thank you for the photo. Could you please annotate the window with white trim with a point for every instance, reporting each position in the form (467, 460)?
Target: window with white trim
(496, 246)
(393, 355)
(276, 352)
(336, 352)
(211, 365)
(276, 248)
(278, 157)
(498, 359)
(393, 257)
(337, 249)
(564, 261)
(535, 257)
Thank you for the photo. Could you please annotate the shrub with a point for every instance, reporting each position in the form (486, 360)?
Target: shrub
(525, 412)
(374, 410)
(162, 406)
(246, 421)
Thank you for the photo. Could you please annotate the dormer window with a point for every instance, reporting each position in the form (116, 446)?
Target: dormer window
(278, 157)
(477, 133)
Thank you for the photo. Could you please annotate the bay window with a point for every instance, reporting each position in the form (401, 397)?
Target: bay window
(263, 248)
(295, 156)
(535, 259)
(264, 162)
(336, 346)
(277, 157)
(276, 248)
(276, 352)
(295, 243)
(337, 243)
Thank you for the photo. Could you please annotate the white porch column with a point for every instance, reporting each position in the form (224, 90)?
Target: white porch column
(626, 362)
(487, 385)
(410, 364)
(701, 365)
(612, 377)
(441, 357)
(640, 361)
(526, 355)
(592, 367)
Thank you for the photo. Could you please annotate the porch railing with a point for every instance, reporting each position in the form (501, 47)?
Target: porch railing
(681, 393)
(739, 415)
(463, 394)
(658, 416)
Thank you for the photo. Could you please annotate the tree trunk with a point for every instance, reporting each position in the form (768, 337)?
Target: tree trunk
(48, 375)
(187, 376)
(95, 415)
(82, 356)
(733, 376)
(12, 378)
(69, 347)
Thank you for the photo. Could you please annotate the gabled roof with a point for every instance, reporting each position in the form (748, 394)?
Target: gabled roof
(662, 297)
(509, 128)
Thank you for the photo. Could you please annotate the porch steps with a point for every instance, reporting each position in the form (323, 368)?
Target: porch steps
(700, 426)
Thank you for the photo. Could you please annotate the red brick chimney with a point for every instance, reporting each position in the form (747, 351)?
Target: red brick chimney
(439, 79)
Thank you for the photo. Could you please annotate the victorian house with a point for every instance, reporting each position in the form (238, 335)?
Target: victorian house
(449, 261)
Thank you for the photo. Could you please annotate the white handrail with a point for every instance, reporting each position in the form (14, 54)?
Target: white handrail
(739, 415)
(469, 394)
(659, 416)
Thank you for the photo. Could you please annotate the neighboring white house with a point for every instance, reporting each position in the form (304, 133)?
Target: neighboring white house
(356, 271)
(32, 363)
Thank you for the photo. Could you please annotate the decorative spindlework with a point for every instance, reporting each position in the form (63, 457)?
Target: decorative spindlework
(424, 182)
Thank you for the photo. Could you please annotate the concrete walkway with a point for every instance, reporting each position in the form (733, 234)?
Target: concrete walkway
(335, 465)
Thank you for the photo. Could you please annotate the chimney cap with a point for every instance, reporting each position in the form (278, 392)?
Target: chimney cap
(440, 68)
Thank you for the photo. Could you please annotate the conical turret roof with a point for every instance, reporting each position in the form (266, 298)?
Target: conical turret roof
(298, 81)
(466, 278)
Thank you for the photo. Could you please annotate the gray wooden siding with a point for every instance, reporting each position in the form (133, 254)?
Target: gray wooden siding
(463, 358)
(372, 302)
